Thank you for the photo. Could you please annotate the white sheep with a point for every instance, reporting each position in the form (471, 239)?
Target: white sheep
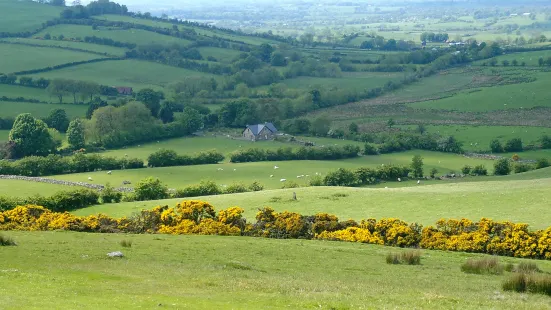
(276, 167)
(299, 176)
(282, 180)
(399, 180)
(234, 169)
(271, 175)
(109, 172)
(418, 181)
(220, 169)
(89, 178)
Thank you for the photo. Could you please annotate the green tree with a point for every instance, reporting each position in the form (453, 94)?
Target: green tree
(278, 60)
(75, 134)
(94, 105)
(502, 167)
(190, 120)
(320, 126)
(150, 189)
(433, 172)
(58, 119)
(545, 141)
(353, 128)
(513, 145)
(390, 123)
(151, 99)
(417, 166)
(57, 88)
(30, 136)
(496, 146)
(340, 177)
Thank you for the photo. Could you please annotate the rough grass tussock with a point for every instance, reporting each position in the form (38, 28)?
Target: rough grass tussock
(126, 243)
(406, 258)
(6, 241)
(483, 266)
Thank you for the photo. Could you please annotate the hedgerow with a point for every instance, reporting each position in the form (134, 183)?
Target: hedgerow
(303, 153)
(198, 217)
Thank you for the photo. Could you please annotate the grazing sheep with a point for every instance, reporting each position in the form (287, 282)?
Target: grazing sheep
(276, 167)
(282, 180)
(220, 169)
(399, 180)
(418, 181)
(89, 178)
(234, 169)
(109, 172)
(299, 176)
(271, 175)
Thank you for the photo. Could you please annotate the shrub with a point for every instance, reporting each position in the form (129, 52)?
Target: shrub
(68, 200)
(520, 168)
(168, 158)
(341, 177)
(527, 267)
(150, 189)
(6, 241)
(466, 170)
(516, 283)
(204, 188)
(126, 243)
(542, 163)
(480, 170)
(408, 258)
(417, 166)
(482, 266)
(256, 187)
(513, 145)
(110, 195)
(433, 172)
(303, 153)
(502, 167)
(290, 184)
(545, 142)
(515, 157)
(316, 181)
(370, 149)
(496, 146)
(236, 188)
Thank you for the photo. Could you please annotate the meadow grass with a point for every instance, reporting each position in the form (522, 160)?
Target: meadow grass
(20, 16)
(530, 58)
(212, 272)
(20, 57)
(4, 135)
(221, 54)
(18, 188)
(180, 176)
(519, 201)
(358, 81)
(110, 50)
(40, 110)
(481, 136)
(133, 73)
(15, 91)
(135, 36)
(504, 97)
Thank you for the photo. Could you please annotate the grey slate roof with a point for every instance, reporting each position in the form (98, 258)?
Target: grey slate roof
(256, 129)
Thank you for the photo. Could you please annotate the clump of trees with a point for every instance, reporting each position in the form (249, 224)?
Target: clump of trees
(30, 136)
(303, 153)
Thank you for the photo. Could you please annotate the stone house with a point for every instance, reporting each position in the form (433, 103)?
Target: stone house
(264, 131)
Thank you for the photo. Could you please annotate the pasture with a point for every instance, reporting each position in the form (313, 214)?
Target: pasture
(40, 110)
(20, 16)
(4, 134)
(19, 188)
(349, 81)
(135, 36)
(530, 58)
(15, 91)
(478, 138)
(212, 272)
(180, 176)
(104, 49)
(133, 73)
(490, 197)
(221, 54)
(15, 58)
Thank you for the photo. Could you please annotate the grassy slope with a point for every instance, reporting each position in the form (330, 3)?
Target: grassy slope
(25, 189)
(133, 73)
(483, 135)
(221, 54)
(110, 50)
(14, 91)
(136, 36)
(71, 270)
(12, 109)
(358, 81)
(177, 177)
(19, 57)
(518, 201)
(25, 15)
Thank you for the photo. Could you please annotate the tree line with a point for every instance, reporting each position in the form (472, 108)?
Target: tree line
(303, 153)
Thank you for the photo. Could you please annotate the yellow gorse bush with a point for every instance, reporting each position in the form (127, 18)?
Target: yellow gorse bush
(200, 218)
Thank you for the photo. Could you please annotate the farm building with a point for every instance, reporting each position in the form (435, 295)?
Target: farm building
(124, 90)
(264, 131)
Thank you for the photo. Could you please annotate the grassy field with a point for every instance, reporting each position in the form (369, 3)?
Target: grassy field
(356, 80)
(177, 177)
(221, 54)
(12, 109)
(15, 91)
(517, 201)
(20, 16)
(478, 138)
(530, 58)
(25, 189)
(135, 36)
(110, 50)
(19, 57)
(516, 96)
(133, 73)
(209, 272)
(220, 143)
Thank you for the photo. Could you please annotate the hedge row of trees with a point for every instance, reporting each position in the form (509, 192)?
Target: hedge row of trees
(60, 201)
(364, 176)
(303, 153)
(34, 166)
(167, 158)
(65, 65)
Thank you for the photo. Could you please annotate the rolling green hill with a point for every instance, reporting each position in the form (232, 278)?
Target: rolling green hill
(26, 15)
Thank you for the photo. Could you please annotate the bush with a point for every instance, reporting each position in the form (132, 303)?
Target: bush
(110, 195)
(68, 200)
(545, 142)
(433, 172)
(502, 167)
(482, 266)
(341, 177)
(303, 153)
(316, 180)
(496, 146)
(407, 257)
(204, 188)
(513, 145)
(542, 163)
(370, 149)
(290, 184)
(520, 168)
(466, 170)
(527, 267)
(168, 158)
(256, 187)
(6, 241)
(236, 188)
(150, 189)
(480, 170)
